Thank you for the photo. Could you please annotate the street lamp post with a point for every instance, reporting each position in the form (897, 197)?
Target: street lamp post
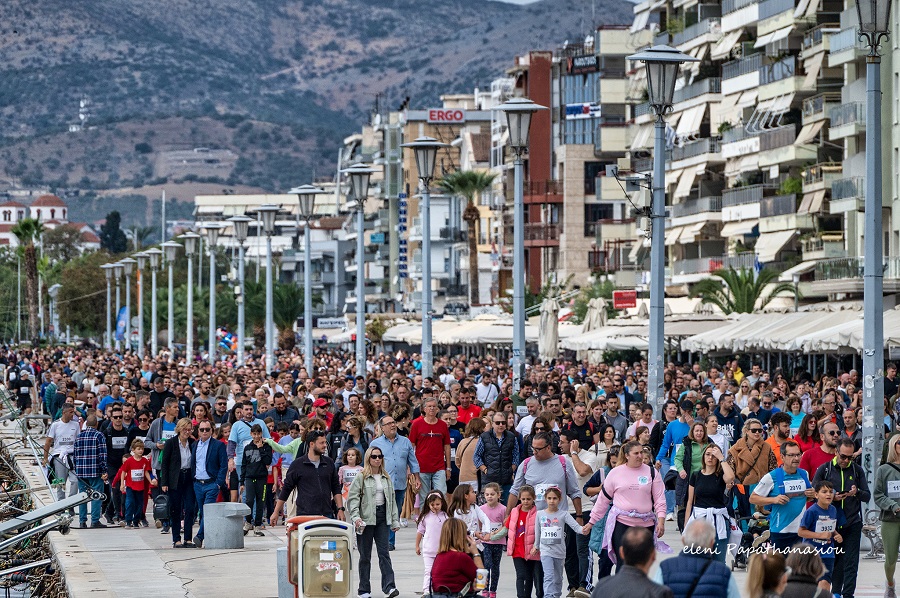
(874, 26)
(306, 195)
(267, 214)
(241, 226)
(212, 236)
(117, 273)
(108, 270)
(170, 250)
(359, 183)
(426, 149)
(141, 258)
(154, 256)
(519, 112)
(190, 248)
(663, 64)
(127, 268)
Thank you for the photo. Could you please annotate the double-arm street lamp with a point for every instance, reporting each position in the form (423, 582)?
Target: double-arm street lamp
(663, 63)
(426, 149)
(140, 258)
(170, 251)
(108, 270)
(241, 225)
(154, 255)
(306, 196)
(267, 214)
(212, 237)
(360, 174)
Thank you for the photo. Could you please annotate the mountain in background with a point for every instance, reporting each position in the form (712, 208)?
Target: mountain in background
(117, 98)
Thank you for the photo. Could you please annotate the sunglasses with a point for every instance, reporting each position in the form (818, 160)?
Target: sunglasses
(205, 429)
(834, 433)
(499, 423)
(756, 431)
(376, 457)
(541, 429)
(844, 457)
(117, 417)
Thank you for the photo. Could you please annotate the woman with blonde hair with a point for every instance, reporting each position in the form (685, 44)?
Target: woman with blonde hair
(805, 567)
(887, 497)
(175, 481)
(766, 575)
(457, 562)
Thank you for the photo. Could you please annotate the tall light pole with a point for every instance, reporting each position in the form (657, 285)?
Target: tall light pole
(190, 248)
(141, 258)
(108, 270)
(874, 26)
(154, 255)
(117, 272)
(212, 236)
(267, 214)
(518, 120)
(241, 225)
(359, 182)
(127, 268)
(306, 195)
(663, 63)
(170, 250)
(426, 149)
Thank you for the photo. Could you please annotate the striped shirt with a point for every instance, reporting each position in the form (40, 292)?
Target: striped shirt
(90, 454)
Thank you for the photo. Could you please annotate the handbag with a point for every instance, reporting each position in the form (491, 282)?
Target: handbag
(161, 507)
(671, 479)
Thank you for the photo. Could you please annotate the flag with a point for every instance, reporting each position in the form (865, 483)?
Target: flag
(121, 322)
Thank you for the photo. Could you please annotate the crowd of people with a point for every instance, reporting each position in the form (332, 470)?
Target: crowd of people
(576, 475)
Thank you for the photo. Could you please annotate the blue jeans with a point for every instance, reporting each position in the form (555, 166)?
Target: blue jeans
(670, 494)
(432, 481)
(85, 484)
(205, 493)
(401, 496)
(134, 506)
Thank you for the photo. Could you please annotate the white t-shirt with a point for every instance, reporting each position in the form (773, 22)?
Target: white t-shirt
(593, 459)
(524, 426)
(63, 435)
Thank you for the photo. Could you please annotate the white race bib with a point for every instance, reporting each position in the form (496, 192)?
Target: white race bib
(496, 526)
(137, 475)
(453, 452)
(119, 442)
(540, 489)
(551, 534)
(522, 411)
(794, 486)
(349, 476)
(166, 434)
(893, 489)
(826, 525)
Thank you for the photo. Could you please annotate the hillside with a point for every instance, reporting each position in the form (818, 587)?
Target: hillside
(277, 83)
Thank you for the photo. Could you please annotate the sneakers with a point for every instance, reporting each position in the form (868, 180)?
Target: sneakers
(890, 592)
(247, 527)
(761, 539)
(122, 523)
(391, 548)
(670, 517)
(98, 525)
(394, 593)
(258, 531)
(404, 522)
(582, 593)
(571, 594)
(165, 529)
(144, 523)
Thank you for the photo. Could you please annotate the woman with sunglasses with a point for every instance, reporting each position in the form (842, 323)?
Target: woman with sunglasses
(541, 424)
(750, 458)
(372, 509)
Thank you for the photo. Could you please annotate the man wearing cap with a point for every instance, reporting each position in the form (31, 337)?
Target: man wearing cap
(320, 410)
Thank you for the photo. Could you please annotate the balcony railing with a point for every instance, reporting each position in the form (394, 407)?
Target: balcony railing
(770, 8)
(844, 40)
(643, 109)
(696, 30)
(737, 134)
(697, 206)
(592, 228)
(849, 188)
(818, 104)
(744, 195)
(705, 265)
(775, 138)
(853, 267)
(742, 66)
(779, 205)
(816, 35)
(710, 85)
(452, 234)
(538, 231)
(708, 145)
(642, 164)
(845, 114)
(784, 68)
(735, 5)
(543, 188)
(817, 172)
(818, 243)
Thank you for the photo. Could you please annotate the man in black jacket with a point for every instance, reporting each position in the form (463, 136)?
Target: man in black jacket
(851, 492)
(315, 478)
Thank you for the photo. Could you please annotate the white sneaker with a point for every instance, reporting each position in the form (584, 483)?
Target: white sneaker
(670, 517)
(404, 522)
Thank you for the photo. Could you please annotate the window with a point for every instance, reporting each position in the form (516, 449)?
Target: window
(52, 213)
(593, 214)
(6, 215)
(591, 171)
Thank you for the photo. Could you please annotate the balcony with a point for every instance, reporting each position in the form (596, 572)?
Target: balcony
(729, 6)
(610, 137)
(853, 267)
(697, 30)
(743, 66)
(643, 110)
(819, 107)
(817, 39)
(540, 192)
(844, 47)
(847, 195)
(538, 234)
(591, 229)
(775, 138)
(778, 71)
(738, 13)
(823, 245)
(708, 265)
(778, 205)
(642, 164)
(737, 134)
(452, 234)
(770, 8)
(744, 195)
(701, 205)
(710, 85)
(821, 176)
(708, 145)
(847, 120)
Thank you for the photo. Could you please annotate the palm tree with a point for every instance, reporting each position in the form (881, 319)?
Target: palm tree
(739, 291)
(26, 231)
(287, 308)
(468, 183)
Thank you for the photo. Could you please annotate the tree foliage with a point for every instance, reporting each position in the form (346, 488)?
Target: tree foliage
(112, 237)
(61, 244)
(27, 231)
(597, 288)
(739, 291)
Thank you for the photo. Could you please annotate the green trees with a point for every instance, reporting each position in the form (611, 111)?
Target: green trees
(468, 183)
(112, 237)
(26, 231)
(738, 291)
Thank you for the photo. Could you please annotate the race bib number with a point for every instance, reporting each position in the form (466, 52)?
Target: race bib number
(349, 476)
(119, 442)
(551, 534)
(137, 475)
(522, 411)
(826, 525)
(24, 390)
(794, 486)
(496, 526)
(893, 489)
(540, 489)
(167, 434)
(453, 452)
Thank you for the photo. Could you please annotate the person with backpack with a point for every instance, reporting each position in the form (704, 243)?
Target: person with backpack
(887, 497)
(785, 489)
(496, 455)
(545, 470)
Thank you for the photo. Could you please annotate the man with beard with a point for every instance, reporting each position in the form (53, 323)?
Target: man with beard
(780, 426)
(315, 478)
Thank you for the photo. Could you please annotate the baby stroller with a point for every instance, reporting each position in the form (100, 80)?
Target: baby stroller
(443, 592)
(757, 533)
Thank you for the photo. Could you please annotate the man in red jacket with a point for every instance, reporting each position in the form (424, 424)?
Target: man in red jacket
(823, 453)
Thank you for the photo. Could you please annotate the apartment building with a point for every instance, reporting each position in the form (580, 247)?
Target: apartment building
(765, 144)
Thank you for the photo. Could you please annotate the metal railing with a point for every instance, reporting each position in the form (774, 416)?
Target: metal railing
(737, 134)
(853, 267)
(779, 205)
(661, 38)
(744, 195)
(817, 172)
(816, 35)
(705, 265)
(735, 5)
(696, 30)
(708, 145)
(742, 66)
(779, 137)
(642, 110)
(784, 68)
(849, 188)
(539, 231)
(844, 40)
(819, 103)
(818, 242)
(710, 85)
(592, 228)
(543, 188)
(642, 164)
(697, 206)
(770, 8)
(845, 114)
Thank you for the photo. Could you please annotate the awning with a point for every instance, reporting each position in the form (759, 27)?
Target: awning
(699, 53)
(725, 45)
(672, 177)
(642, 137)
(801, 8)
(812, 202)
(738, 229)
(781, 34)
(727, 111)
(769, 244)
(808, 132)
(672, 234)
(640, 21)
(801, 268)
(690, 232)
(748, 98)
(685, 183)
(690, 122)
(812, 9)
(776, 105)
(813, 65)
(762, 40)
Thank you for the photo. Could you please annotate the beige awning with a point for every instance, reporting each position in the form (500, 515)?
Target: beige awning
(738, 229)
(801, 268)
(672, 177)
(690, 232)
(809, 132)
(683, 189)
(769, 244)
(780, 34)
(642, 137)
(640, 21)
(812, 9)
(776, 105)
(735, 166)
(813, 65)
(690, 122)
(801, 8)
(725, 45)
(727, 109)
(762, 40)
(748, 98)
(672, 234)
(812, 202)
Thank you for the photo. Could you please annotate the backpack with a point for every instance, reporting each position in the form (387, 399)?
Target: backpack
(778, 479)
(562, 461)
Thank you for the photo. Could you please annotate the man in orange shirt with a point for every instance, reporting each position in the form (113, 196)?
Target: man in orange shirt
(779, 431)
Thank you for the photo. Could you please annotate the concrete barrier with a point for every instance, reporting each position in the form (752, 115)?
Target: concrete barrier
(223, 525)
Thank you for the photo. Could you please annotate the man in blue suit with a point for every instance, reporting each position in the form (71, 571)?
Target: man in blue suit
(210, 465)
